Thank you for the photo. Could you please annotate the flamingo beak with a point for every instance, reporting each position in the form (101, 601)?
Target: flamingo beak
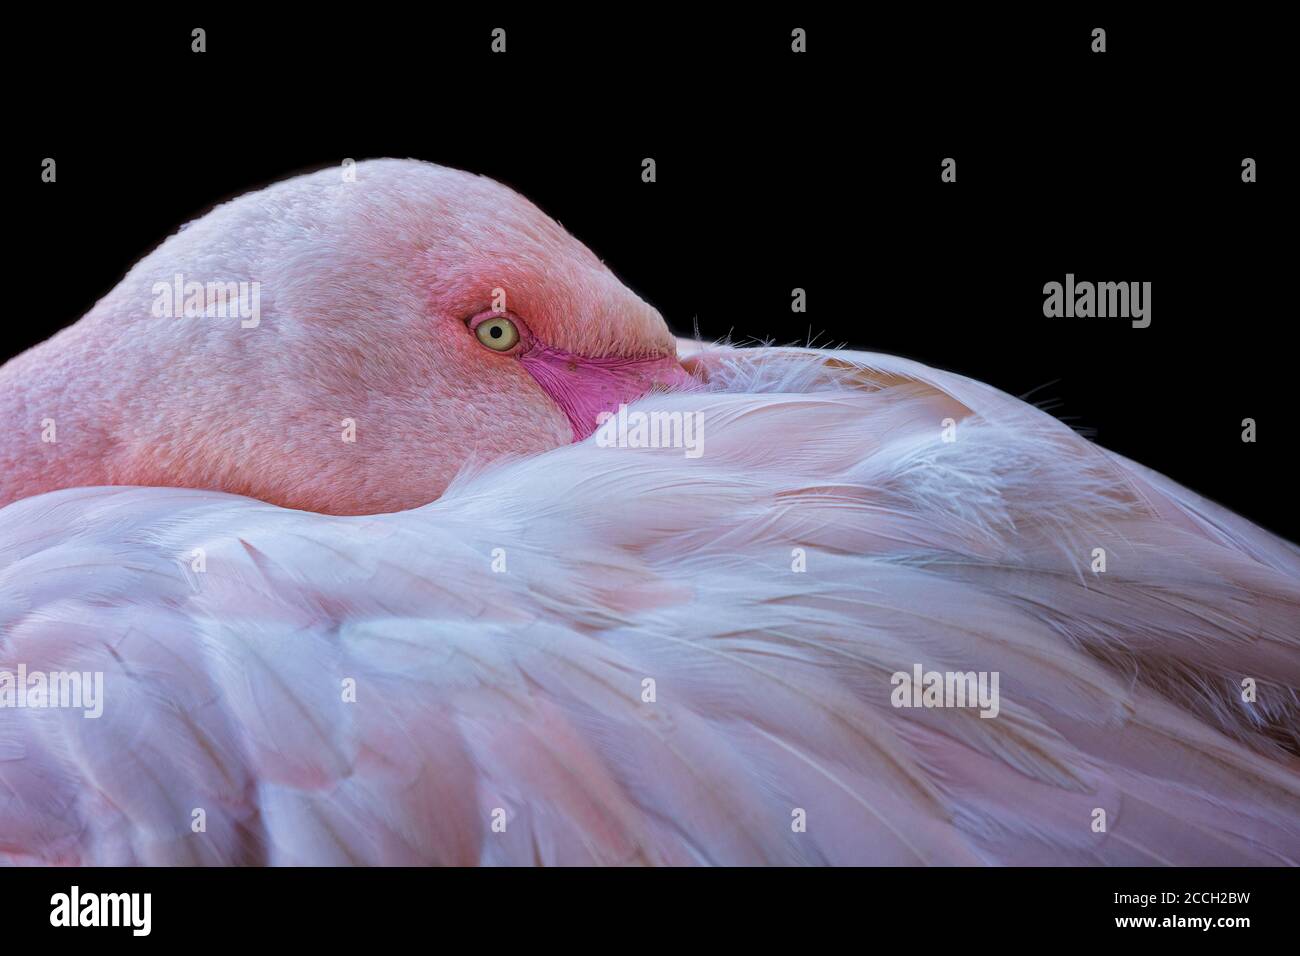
(584, 387)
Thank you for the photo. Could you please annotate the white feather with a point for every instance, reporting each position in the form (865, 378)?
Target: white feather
(484, 697)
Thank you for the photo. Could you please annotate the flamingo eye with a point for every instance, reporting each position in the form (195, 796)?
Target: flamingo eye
(499, 334)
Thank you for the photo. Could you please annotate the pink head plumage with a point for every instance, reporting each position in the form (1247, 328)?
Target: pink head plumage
(368, 291)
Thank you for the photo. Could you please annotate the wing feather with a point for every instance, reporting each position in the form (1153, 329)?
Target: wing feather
(650, 679)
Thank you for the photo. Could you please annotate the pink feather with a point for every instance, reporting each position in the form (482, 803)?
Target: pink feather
(516, 696)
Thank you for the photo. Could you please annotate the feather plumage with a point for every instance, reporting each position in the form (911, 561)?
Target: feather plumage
(517, 696)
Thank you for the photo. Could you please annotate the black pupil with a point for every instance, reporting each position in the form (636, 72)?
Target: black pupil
(496, 332)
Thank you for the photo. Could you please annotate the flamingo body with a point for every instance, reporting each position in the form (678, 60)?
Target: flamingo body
(498, 642)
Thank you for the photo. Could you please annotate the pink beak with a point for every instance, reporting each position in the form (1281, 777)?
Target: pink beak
(585, 387)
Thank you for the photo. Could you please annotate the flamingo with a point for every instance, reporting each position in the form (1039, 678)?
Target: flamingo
(478, 625)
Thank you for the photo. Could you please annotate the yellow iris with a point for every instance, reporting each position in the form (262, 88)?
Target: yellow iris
(497, 334)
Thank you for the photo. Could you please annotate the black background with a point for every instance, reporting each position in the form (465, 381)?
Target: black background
(775, 171)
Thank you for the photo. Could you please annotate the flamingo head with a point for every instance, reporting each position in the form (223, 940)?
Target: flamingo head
(396, 323)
